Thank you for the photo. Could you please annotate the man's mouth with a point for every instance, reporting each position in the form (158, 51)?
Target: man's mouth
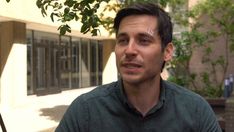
(131, 65)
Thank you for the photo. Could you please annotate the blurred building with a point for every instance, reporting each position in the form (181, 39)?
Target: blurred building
(36, 60)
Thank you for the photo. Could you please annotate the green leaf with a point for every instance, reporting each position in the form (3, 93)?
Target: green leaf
(76, 18)
(163, 3)
(64, 28)
(94, 32)
(90, 1)
(88, 12)
(66, 10)
(85, 28)
(220, 60)
(96, 6)
(208, 50)
(67, 17)
(232, 47)
(39, 3)
(76, 6)
(52, 16)
(69, 3)
(43, 12)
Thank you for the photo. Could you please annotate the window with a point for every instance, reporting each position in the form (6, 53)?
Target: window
(62, 62)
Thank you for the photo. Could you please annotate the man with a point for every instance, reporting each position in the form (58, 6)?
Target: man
(140, 101)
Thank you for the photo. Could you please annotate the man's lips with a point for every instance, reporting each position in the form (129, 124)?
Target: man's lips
(131, 65)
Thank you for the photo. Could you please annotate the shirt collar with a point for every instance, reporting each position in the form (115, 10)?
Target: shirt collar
(162, 96)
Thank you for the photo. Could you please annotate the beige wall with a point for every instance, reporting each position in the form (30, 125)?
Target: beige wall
(27, 11)
(218, 47)
(109, 64)
(13, 63)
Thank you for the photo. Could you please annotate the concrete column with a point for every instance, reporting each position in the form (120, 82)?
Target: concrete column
(110, 73)
(13, 56)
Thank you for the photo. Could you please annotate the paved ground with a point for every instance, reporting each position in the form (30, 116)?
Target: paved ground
(40, 113)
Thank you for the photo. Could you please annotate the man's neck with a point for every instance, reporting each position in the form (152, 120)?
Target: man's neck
(143, 96)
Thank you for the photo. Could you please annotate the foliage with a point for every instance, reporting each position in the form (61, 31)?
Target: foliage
(91, 13)
(88, 12)
(179, 66)
(220, 14)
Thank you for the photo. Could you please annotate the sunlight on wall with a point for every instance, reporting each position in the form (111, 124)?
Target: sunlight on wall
(110, 71)
(14, 79)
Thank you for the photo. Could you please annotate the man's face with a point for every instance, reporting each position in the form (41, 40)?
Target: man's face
(139, 55)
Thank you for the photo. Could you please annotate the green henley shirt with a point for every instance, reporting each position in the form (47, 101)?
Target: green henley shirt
(106, 109)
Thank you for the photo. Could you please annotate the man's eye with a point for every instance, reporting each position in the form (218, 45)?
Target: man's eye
(144, 41)
(122, 41)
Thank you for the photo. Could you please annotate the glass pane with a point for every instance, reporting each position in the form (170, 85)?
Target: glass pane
(75, 63)
(46, 61)
(93, 62)
(54, 66)
(45, 38)
(85, 63)
(65, 62)
(100, 64)
(40, 68)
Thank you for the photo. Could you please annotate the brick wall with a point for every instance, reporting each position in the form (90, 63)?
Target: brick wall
(229, 114)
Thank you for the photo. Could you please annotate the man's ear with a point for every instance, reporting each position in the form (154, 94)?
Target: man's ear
(168, 52)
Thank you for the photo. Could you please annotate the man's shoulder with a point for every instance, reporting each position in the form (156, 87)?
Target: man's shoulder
(182, 92)
(101, 91)
(192, 106)
(186, 98)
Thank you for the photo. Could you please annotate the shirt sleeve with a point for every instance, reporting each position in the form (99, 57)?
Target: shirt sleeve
(207, 119)
(75, 118)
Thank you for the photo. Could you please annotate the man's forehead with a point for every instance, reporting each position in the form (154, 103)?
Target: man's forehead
(151, 31)
(147, 31)
(147, 22)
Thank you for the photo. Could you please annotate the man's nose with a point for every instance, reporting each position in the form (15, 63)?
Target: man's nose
(131, 48)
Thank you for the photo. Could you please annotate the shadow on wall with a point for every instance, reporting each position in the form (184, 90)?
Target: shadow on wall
(54, 113)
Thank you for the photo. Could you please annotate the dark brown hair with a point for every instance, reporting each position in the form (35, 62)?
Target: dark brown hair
(163, 19)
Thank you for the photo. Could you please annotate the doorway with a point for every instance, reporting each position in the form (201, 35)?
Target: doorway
(45, 67)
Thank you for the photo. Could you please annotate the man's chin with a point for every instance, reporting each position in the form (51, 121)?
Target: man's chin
(131, 79)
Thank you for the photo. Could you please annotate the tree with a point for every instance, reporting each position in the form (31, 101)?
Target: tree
(88, 12)
(220, 14)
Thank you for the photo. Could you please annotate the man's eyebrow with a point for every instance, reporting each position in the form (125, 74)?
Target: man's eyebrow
(142, 34)
(146, 35)
(121, 35)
